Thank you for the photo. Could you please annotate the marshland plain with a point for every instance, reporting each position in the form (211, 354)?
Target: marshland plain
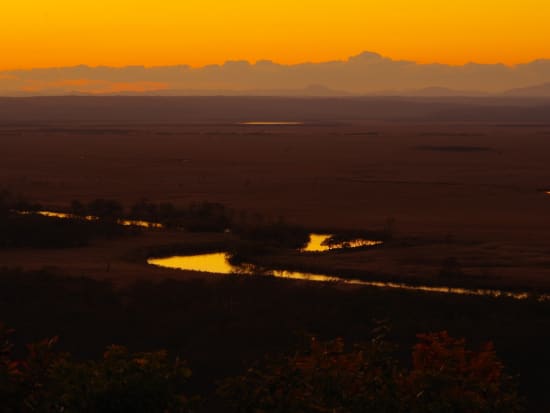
(472, 191)
(456, 190)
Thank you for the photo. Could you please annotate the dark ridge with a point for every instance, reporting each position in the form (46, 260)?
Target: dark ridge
(148, 110)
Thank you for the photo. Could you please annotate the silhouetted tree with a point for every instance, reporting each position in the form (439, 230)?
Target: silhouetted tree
(105, 208)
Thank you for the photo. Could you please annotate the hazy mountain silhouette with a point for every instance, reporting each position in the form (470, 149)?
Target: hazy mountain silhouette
(433, 91)
(533, 91)
(365, 74)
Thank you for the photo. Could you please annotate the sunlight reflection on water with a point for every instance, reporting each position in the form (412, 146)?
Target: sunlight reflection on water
(216, 263)
(318, 243)
(315, 243)
(64, 215)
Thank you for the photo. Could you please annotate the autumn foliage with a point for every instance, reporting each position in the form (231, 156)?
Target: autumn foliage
(49, 381)
(445, 377)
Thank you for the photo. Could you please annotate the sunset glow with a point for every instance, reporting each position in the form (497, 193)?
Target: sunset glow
(53, 33)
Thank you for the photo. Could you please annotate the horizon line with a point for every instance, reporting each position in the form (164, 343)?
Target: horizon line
(269, 61)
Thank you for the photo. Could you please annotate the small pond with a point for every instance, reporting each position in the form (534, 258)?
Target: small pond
(320, 243)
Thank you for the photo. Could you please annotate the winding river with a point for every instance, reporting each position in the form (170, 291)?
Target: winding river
(218, 264)
(64, 215)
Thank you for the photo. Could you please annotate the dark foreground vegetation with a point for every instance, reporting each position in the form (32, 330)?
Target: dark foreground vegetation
(248, 344)
(445, 376)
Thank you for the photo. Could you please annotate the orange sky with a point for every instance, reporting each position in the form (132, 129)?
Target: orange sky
(47, 33)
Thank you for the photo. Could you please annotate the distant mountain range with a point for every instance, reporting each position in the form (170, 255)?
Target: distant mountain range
(533, 91)
(539, 91)
(367, 74)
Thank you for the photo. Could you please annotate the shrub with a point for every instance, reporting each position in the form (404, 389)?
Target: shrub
(49, 381)
(445, 378)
